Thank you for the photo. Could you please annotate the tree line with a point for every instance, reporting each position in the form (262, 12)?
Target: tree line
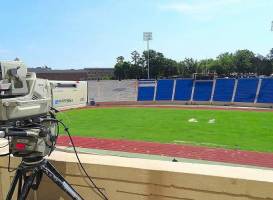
(241, 63)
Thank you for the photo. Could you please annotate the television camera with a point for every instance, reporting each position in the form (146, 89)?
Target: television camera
(28, 121)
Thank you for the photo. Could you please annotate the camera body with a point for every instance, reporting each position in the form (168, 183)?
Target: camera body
(26, 118)
(22, 94)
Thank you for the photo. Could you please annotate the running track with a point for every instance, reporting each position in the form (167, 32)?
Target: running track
(173, 150)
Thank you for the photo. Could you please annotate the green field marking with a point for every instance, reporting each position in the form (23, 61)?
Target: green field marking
(244, 130)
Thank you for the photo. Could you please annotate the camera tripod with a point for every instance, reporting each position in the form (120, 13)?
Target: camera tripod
(29, 174)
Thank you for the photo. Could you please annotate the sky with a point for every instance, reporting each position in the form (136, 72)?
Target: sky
(93, 33)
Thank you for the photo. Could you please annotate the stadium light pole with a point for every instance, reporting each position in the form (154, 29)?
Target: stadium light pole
(147, 36)
(272, 26)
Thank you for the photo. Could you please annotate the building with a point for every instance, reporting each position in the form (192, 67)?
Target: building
(99, 73)
(74, 74)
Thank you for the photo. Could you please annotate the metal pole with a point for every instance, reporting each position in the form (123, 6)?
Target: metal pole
(147, 36)
(148, 59)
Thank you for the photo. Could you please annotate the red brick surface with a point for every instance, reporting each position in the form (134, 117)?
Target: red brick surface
(173, 150)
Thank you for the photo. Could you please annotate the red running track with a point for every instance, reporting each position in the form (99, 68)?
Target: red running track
(173, 150)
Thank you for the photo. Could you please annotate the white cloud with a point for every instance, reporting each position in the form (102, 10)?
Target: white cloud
(207, 10)
(204, 8)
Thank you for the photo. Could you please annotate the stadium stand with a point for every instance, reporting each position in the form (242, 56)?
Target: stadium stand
(146, 90)
(246, 90)
(183, 89)
(221, 90)
(164, 90)
(266, 91)
(202, 90)
(224, 90)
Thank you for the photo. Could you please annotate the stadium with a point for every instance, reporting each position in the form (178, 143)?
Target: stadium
(136, 100)
(148, 139)
(222, 124)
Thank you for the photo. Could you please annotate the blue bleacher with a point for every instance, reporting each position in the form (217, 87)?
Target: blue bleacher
(164, 90)
(246, 90)
(183, 89)
(145, 93)
(202, 91)
(146, 90)
(266, 91)
(224, 90)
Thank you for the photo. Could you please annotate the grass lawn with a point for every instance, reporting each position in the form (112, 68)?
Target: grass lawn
(246, 130)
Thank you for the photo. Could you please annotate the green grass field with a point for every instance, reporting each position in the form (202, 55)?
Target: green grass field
(246, 130)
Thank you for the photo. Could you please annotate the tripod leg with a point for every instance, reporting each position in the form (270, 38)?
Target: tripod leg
(19, 187)
(37, 180)
(57, 178)
(27, 185)
(18, 175)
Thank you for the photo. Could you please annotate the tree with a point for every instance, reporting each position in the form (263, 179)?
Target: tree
(136, 69)
(161, 66)
(187, 67)
(169, 68)
(122, 70)
(156, 63)
(120, 59)
(243, 60)
(203, 65)
(270, 55)
(135, 57)
(270, 58)
(225, 64)
(263, 65)
(118, 71)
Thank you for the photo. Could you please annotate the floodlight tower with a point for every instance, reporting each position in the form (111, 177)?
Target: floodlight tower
(272, 26)
(147, 36)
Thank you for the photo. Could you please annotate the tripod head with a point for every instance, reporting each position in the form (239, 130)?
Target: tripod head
(32, 137)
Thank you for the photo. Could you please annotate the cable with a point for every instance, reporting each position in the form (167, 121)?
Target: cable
(101, 194)
(9, 153)
(66, 129)
(4, 146)
(4, 154)
(9, 170)
(76, 153)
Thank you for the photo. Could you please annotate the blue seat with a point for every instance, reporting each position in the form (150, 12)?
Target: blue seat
(145, 93)
(266, 91)
(146, 90)
(246, 90)
(164, 90)
(183, 89)
(203, 90)
(224, 90)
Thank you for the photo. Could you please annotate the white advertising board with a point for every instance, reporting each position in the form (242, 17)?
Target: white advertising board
(112, 90)
(69, 94)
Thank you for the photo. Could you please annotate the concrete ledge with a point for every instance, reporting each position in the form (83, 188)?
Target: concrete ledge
(141, 179)
(194, 103)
